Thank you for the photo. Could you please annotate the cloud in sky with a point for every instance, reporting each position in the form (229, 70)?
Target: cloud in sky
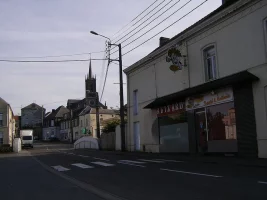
(58, 27)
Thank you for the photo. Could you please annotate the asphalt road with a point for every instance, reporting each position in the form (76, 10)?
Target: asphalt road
(142, 177)
(22, 177)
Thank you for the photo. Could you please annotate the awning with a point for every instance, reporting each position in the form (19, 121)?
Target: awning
(231, 80)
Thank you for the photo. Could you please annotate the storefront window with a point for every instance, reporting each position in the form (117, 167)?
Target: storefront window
(221, 122)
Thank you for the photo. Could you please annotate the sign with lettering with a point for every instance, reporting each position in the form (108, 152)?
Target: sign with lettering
(170, 109)
(208, 99)
(177, 57)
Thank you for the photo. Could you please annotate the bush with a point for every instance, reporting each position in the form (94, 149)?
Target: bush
(5, 148)
(110, 125)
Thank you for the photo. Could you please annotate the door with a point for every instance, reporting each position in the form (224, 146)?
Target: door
(136, 136)
(201, 130)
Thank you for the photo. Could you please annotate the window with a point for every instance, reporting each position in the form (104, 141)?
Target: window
(52, 123)
(101, 119)
(67, 125)
(210, 63)
(86, 122)
(81, 123)
(135, 101)
(1, 138)
(1, 119)
(221, 122)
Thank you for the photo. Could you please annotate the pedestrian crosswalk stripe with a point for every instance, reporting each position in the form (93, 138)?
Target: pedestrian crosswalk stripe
(60, 168)
(132, 161)
(155, 161)
(83, 166)
(103, 164)
(127, 163)
(178, 161)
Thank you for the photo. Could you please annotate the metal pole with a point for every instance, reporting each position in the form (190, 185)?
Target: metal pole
(71, 126)
(97, 117)
(121, 102)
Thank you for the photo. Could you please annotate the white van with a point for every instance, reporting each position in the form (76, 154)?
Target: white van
(26, 137)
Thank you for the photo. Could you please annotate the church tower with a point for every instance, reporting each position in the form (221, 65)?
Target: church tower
(90, 82)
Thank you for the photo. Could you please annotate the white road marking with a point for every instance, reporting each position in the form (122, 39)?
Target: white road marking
(262, 182)
(83, 156)
(101, 159)
(132, 161)
(83, 166)
(155, 161)
(103, 164)
(60, 168)
(178, 161)
(126, 163)
(193, 173)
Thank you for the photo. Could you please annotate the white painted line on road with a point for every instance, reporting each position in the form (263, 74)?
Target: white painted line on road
(193, 173)
(178, 161)
(83, 166)
(132, 161)
(83, 156)
(101, 159)
(155, 161)
(126, 163)
(262, 182)
(103, 164)
(60, 168)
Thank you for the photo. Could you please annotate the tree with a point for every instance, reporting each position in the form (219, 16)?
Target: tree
(109, 125)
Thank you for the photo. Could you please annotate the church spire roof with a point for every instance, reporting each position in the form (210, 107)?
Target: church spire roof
(90, 75)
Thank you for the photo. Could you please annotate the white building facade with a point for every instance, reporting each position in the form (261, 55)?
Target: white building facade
(205, 90)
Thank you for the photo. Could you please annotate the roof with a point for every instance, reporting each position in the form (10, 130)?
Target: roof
(233, 79)
(32, 105)
(1, 99)
(218, 10)
(73, 100)
(103, 111)
(59, 112)
(85, 111)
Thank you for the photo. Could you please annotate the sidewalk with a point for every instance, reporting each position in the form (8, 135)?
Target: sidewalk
(220, 159)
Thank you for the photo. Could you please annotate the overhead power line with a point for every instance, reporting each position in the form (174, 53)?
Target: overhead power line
(165, 28)
(147, 20)
(140, 19)
(154, 26)
(49, 61)
(135, 18)
(54, 56)
(102, 92)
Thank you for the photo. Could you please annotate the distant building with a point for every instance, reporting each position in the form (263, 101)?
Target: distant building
(79, 116)
(7, 123)
(51, 125)
(32, 116)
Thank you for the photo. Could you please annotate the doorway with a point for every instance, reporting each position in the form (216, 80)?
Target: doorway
(136, 136)
(201, 130)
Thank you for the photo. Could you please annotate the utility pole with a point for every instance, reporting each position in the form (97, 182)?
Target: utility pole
(97, 117)
(121, 102)
(71, 126)
(121, 87)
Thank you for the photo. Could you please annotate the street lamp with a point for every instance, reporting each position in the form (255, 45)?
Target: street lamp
(121, 89)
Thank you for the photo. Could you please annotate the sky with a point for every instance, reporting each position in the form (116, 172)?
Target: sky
(41, 28)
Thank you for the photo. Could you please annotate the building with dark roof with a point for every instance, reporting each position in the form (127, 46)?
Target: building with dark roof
(180, 94)
(51, 124)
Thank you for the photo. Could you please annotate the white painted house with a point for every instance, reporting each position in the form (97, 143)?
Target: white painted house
(216, 101)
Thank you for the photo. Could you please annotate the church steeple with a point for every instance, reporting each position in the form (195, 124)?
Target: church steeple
(90, 75)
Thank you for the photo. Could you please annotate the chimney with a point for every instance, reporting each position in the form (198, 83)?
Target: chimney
(163, 40)
(53, 110)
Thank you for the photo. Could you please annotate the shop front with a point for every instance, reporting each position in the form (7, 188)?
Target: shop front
(217, 117)
(173, 128)
(214, 120)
